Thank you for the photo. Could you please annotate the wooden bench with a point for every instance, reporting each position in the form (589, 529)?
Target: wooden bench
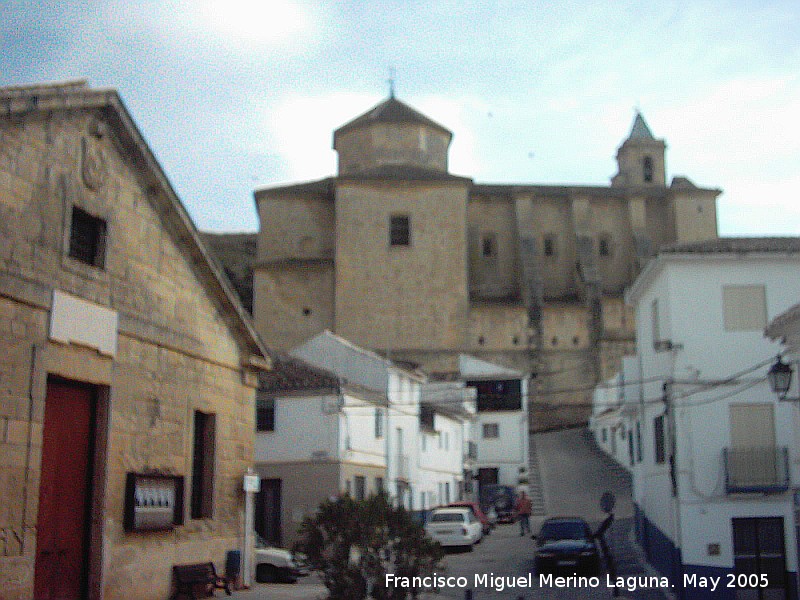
(189, 578)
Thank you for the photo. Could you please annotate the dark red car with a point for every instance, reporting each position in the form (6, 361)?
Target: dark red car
(479, 514)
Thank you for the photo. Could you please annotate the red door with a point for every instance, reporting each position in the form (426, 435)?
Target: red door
(64, 493)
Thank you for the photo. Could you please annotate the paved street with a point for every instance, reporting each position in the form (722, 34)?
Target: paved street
(574, 476)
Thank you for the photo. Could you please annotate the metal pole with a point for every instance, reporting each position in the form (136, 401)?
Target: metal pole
(249, 519)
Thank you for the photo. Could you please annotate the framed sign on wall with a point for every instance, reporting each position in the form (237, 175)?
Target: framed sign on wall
(153, 502)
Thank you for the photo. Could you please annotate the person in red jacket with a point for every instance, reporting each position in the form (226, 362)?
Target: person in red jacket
(524, 508)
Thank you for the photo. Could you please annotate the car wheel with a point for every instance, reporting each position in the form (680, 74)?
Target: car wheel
(267, 574)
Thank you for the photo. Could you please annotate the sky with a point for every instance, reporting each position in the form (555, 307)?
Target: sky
(236, 95)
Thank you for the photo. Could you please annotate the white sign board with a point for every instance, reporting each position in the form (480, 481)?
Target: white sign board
(252, 483)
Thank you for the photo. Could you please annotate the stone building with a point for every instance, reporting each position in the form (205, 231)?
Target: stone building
(399, 255)
(129, 369)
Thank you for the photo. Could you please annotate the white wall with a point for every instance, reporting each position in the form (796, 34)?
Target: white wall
(441, 461)
(703, 354)
(358, 440)
(345, 359)
(304, 425)
(404, 397)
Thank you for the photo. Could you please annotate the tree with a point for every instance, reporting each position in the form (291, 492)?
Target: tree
(354, 544)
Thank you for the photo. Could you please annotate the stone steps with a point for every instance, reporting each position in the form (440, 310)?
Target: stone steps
(535, 487)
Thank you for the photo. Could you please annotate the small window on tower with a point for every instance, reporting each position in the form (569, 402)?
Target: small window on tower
(648, 169)
(400, 230)
(550, 245)
(489, 245)
(604, 245)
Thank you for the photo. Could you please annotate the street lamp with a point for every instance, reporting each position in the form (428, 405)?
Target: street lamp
(780, 379)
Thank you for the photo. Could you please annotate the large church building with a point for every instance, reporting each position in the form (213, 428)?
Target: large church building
(397, 254)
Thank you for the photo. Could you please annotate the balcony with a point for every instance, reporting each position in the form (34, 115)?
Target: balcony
(403, 467)
(756, 470)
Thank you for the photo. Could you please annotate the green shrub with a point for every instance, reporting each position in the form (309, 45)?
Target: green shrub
(354, 544)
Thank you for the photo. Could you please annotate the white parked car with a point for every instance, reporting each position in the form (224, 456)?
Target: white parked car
(275, 565)
(454, 526)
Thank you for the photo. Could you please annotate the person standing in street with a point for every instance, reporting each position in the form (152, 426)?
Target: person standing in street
(524, 508)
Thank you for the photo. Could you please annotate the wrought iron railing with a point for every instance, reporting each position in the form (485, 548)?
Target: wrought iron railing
(749, 470)
(403, 466)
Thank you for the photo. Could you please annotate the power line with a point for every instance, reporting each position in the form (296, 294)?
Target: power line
(605, 385)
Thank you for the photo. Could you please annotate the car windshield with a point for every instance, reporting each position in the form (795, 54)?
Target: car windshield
(444, 517)
(563, 530)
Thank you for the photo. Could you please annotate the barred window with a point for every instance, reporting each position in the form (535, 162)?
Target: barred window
(87, 239)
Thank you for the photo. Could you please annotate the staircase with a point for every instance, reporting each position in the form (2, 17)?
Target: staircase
(535, 488)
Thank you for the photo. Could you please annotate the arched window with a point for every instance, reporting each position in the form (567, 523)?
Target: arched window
(648, 169)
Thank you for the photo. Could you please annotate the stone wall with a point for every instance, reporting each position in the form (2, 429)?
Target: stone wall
(177, 350)
(411, 296)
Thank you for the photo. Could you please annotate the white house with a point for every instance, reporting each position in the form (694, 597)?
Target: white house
(446, 448)
(318, 435)
(611, 418)
(400, 385)
(716, 460)
(500, 429)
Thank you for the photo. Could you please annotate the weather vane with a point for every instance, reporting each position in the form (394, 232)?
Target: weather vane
(390, 81)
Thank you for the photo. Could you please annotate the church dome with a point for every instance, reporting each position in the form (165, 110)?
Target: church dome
(391, 135)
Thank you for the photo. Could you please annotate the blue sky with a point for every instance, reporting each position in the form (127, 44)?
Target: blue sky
(233, 95)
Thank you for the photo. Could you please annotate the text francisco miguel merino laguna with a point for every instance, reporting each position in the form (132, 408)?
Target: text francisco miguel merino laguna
(499, 583)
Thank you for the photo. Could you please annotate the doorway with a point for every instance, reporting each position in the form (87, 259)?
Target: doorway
(65, 491)
(759, 549)
(268, 512)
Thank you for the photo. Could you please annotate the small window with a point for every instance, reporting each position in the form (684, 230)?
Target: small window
(491, 430)
(360, 487)
(265, 414)
(658, 435)
(549, 245)
(489, 245)
(647, 169)
(202, 503)
(87, 239)
(605, 434)
(604, 246)
(378, 423)
(379, 485)
(400, 230)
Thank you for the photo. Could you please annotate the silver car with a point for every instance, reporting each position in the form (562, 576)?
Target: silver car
(454, 526)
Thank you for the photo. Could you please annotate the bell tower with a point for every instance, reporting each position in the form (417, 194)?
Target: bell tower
(640, 158)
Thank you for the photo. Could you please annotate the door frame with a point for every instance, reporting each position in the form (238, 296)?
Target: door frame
(98, 468)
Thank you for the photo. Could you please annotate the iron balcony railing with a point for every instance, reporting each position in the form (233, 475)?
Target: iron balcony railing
(403, 467)
(764, 470)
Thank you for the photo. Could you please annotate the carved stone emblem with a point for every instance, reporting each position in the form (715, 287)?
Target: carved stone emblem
(93, 165)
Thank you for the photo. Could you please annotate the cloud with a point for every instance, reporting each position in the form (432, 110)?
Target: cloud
(256, 22)
(300, 130)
